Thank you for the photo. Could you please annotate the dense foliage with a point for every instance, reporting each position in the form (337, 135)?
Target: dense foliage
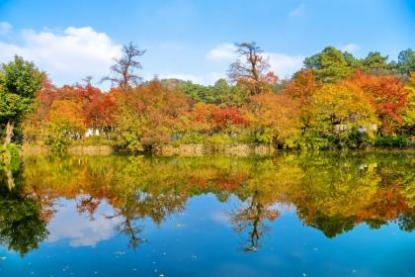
(19, 82)
(335, 101)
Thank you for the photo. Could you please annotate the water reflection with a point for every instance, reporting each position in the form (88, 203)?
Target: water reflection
(22, 224)
(332, 193)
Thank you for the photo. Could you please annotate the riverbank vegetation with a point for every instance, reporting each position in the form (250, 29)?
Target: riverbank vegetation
(336, 101)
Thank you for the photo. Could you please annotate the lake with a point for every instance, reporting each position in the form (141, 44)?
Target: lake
(289, 215)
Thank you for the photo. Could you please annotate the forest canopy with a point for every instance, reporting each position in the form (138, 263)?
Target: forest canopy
(335, 101)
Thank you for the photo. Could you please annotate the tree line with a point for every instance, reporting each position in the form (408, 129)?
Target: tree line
(335, 101)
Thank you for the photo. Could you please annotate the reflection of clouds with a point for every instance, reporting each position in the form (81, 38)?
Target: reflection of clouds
(79, 229)
(284, 208)
(220, 217)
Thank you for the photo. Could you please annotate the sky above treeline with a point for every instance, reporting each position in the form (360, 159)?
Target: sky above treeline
(193, 40)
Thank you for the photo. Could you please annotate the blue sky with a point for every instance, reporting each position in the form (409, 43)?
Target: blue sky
(193, 39)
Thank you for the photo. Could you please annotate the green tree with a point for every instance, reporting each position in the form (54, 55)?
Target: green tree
(376, 64)
(330, 65)
(406, 62)
(19, 81)
(221, 93)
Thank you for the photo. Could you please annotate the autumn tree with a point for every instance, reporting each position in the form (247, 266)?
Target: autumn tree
(97, 107)
(337, 111)
(94, 107)
(124, 69)
(99, 112)
(213, 124)
(34, 121)
(301, 89)
(252, 69)
(409, 114)
(64, 122)
(200, 118)
(19, 82)
(387, 95)
(274, 119)
(147, 116)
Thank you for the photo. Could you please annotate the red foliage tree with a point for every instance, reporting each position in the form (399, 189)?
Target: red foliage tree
(387, 94)
(228, 116)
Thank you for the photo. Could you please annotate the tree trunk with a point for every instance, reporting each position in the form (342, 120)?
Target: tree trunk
(9, 132)
(10, 179)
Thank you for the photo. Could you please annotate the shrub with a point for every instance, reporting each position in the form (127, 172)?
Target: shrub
(392, 141)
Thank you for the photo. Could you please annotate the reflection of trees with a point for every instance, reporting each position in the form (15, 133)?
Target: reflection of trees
(331, 192)
(251, 219)
(338, 192)
(406, 220)
(263, 187)
(87, 204)
(334, 225)
(140, 205)
(21, 226)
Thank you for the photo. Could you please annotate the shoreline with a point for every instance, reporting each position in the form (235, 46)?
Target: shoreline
(196, 150)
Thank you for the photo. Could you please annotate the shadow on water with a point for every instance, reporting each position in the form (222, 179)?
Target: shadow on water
(330, 192)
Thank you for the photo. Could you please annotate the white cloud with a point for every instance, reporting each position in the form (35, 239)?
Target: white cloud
(5, 28)
(79, 230)
(66, 57)
(284, 65)
(350, 47)
(75, 53)
(220, 217)
(299, 10)
(223, 52)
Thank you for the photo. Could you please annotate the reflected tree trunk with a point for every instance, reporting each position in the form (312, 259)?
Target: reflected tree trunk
(131, 231)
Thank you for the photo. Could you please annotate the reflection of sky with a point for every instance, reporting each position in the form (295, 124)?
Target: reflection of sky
(79, 229)
(200, 241)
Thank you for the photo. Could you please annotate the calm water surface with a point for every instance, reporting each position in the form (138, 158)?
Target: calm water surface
(292, 215)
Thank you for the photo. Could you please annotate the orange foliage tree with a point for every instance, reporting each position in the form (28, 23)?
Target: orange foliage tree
(274, 119)
(301, 89)
(387, 95)
(148, 116)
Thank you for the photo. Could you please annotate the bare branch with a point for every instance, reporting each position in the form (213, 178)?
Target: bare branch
(125, 67)
(251, 68)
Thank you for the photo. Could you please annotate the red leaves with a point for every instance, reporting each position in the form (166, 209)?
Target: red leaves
(207, 117)
(98, 110)
(96, 107)
(387, 94)
(227, 116)
(302, 86)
